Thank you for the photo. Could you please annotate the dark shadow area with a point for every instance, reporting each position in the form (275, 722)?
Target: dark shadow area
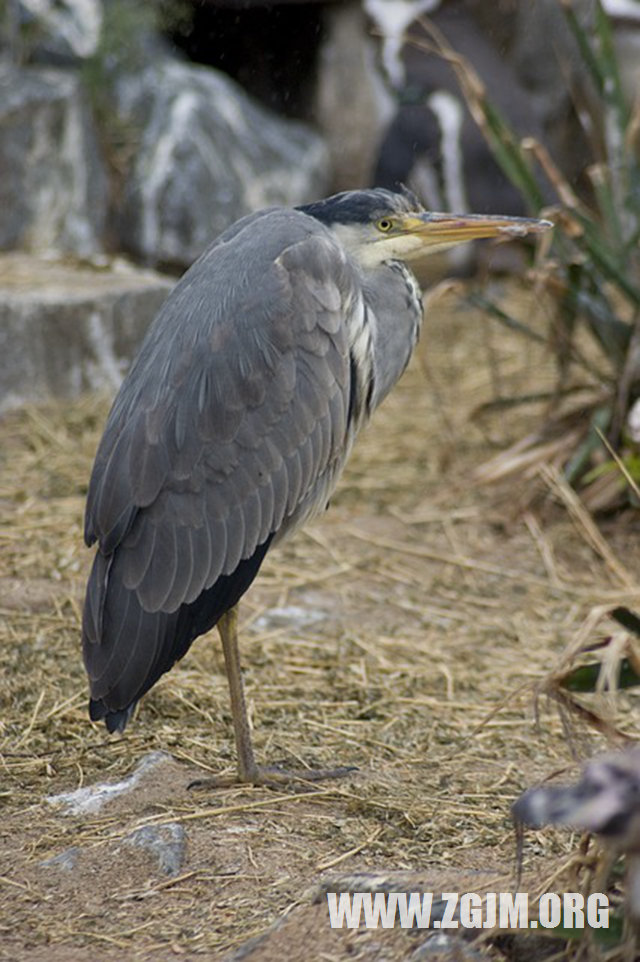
(271, 50)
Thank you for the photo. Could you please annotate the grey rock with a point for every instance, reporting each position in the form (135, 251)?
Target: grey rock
(207, 155)
(66, 329)
(167, 843)
(66, 860)
(90, 799)
(441, 947)
(53, 189)
(55, 31)
(521, 33)
(291, 616)
(353, 125)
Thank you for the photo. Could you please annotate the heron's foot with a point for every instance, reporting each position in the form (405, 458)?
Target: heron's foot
(297, 780)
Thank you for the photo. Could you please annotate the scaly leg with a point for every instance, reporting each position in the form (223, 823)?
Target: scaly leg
(228, 628)
(248, 771)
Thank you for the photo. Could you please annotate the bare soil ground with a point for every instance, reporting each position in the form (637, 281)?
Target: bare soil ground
(404, 633)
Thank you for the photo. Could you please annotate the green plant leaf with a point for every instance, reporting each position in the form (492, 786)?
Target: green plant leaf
(585, 678)
(579, 461)
(511, 157)
(612, 89)
(587, 53)
(478, 299)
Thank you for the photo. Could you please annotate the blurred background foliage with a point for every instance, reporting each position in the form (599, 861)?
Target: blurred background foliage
(591, 269)
(561, 141)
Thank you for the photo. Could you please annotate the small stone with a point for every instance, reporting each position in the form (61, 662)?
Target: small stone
(168, 843)
(66, 860)
(291, 616)
(441, 947)
(90, 799)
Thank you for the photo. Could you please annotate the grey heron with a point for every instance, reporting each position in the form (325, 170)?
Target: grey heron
(235, 420)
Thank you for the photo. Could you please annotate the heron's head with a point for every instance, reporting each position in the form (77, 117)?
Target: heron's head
(379, 225)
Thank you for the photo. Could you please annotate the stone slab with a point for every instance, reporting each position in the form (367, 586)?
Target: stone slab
(69, 328)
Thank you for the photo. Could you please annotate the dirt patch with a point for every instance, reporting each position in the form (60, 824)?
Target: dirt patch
(396, 634)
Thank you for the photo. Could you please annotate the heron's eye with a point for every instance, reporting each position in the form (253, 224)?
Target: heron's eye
(385, 225)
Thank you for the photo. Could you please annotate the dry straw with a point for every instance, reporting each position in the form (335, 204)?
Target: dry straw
(412, 625)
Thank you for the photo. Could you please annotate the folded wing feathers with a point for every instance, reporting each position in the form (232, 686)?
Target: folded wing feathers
(189, 481)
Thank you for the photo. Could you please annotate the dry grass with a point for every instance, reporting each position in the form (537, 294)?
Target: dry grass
(415, 621)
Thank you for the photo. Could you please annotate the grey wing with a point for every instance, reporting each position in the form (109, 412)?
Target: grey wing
(223, 433)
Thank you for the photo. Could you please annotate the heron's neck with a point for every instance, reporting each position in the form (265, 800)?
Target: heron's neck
(394, 301)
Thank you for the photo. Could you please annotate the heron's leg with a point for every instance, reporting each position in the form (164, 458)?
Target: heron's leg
(248, 771)
(228, 628)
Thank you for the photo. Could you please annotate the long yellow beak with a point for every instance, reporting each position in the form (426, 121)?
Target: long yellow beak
(440, 231)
